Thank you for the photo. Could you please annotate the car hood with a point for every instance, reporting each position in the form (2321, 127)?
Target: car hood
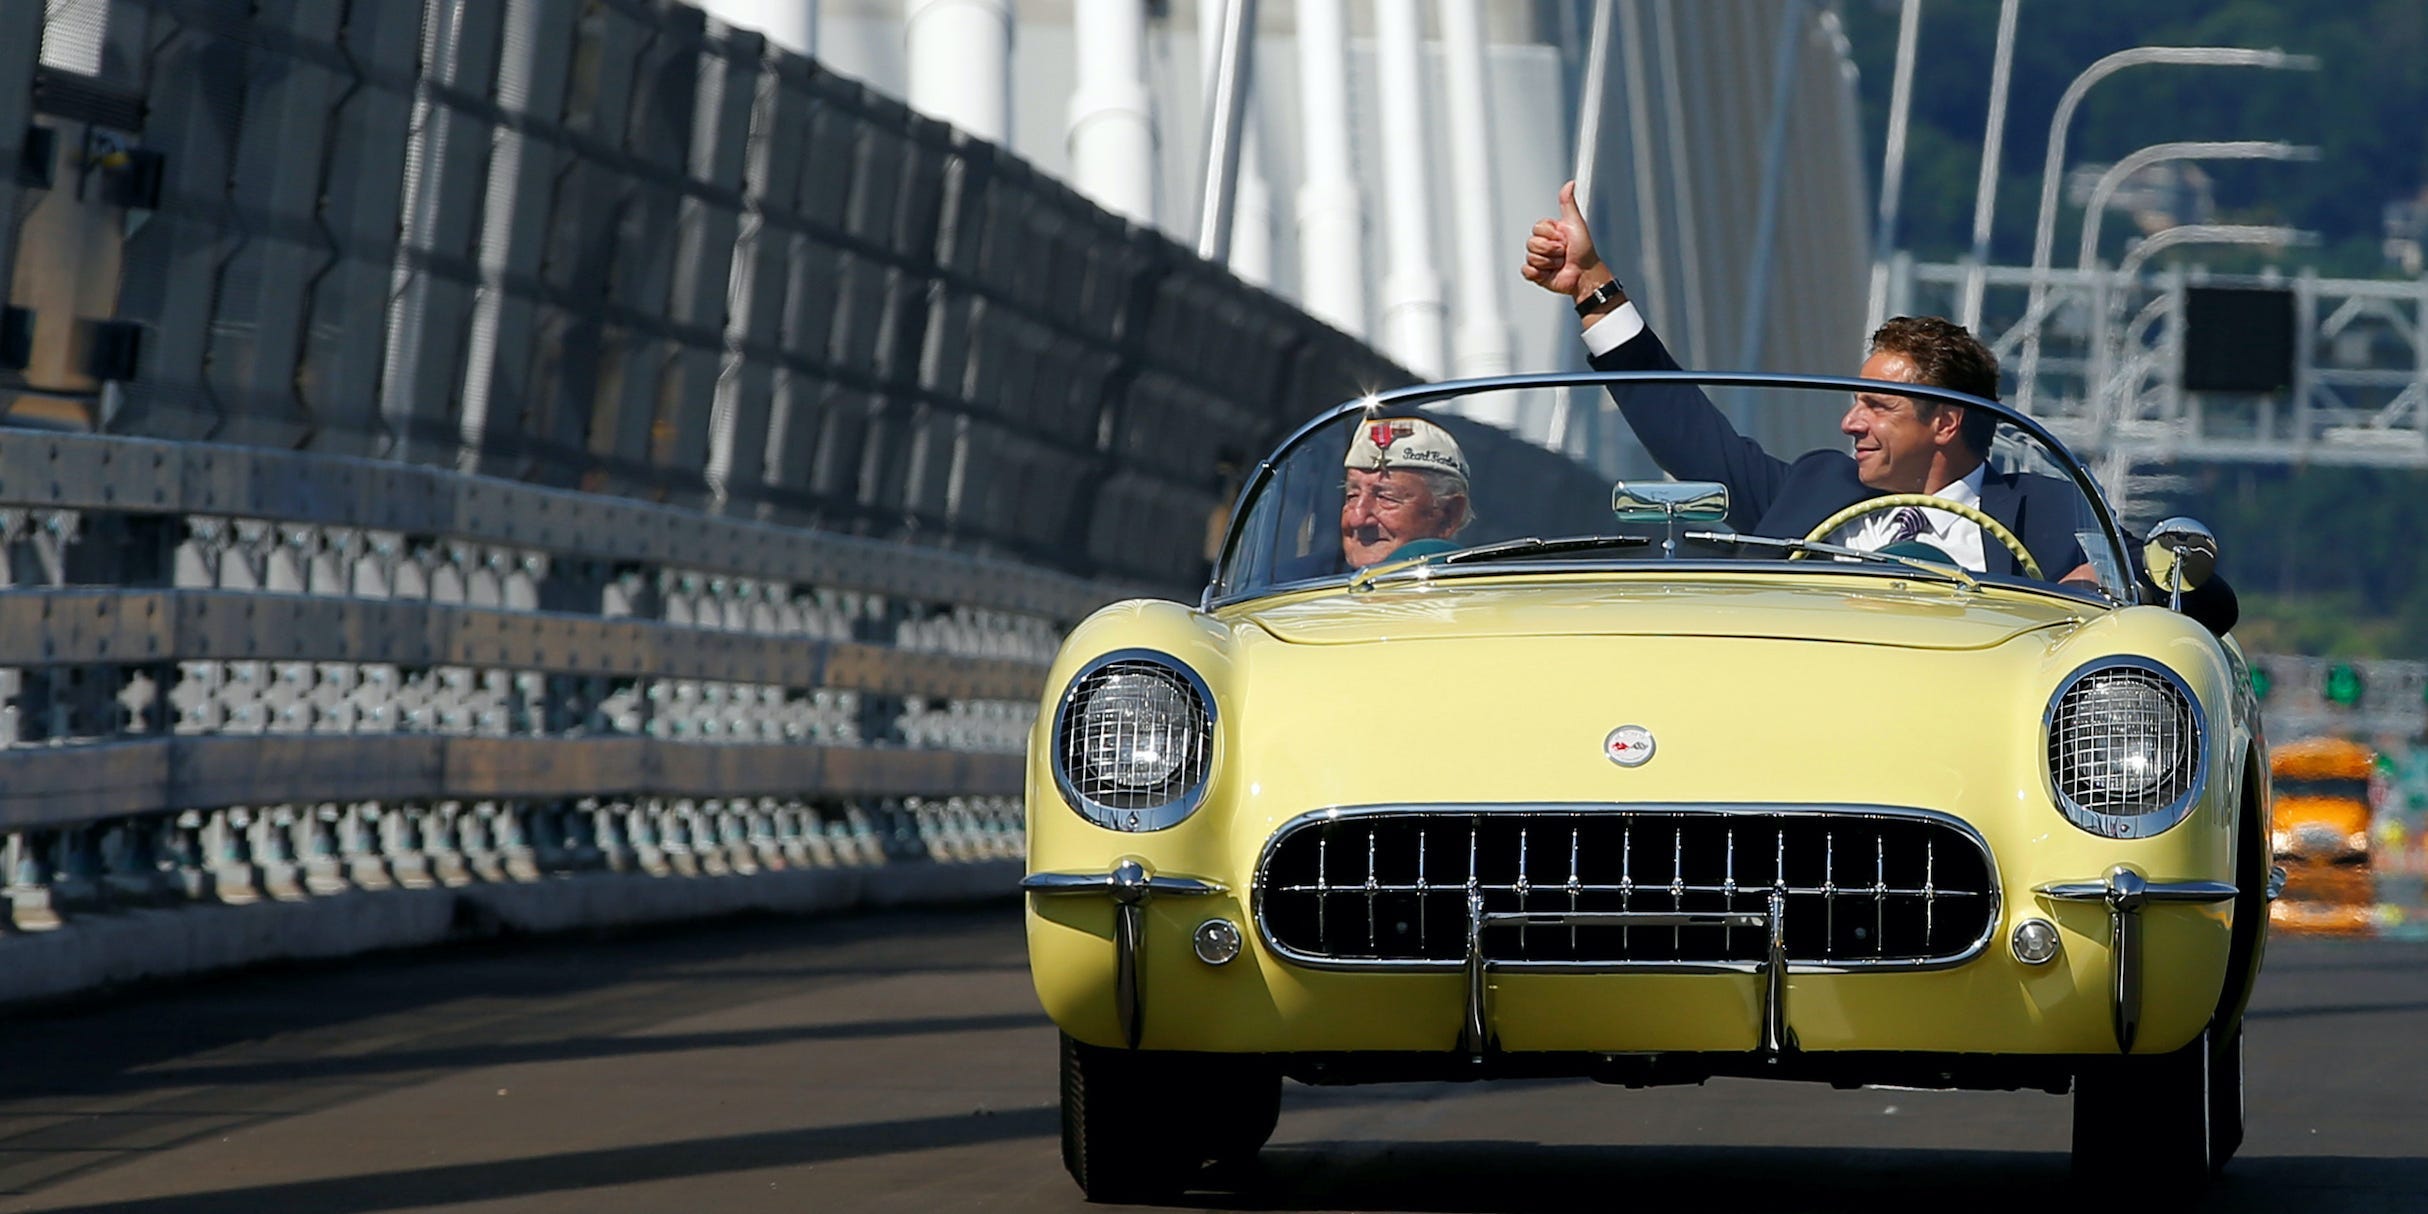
(1869, 611)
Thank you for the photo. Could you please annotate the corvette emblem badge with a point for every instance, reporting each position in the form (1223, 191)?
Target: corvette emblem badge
(1628, 745)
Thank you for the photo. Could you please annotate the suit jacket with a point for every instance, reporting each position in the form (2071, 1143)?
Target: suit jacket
(1692, 440)
(1767, 495)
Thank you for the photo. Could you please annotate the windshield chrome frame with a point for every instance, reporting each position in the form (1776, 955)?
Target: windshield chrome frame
(1421, 394)
(1425, 574)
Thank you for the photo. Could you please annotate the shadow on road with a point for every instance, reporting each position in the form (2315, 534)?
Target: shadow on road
(1432, 1177)
(452, 1184)
(98, 1081)
(2411, 1008)
(1481, 1176)
(543, 990)
(418, 1063)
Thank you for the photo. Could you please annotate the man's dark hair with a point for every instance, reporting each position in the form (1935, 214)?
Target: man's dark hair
(1946, 355)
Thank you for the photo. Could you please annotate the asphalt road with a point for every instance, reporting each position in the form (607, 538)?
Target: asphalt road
(900, 1063)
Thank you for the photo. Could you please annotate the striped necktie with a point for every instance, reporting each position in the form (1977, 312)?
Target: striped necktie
(1904, 525)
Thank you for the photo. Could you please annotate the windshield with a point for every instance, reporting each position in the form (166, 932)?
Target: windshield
(1584, 472)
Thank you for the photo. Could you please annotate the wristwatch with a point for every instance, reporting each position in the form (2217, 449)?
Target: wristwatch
(1601, 295)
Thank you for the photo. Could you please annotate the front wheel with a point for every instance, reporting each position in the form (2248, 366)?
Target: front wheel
(1140, 1124)
(2167, 1122)
(2226, 1099)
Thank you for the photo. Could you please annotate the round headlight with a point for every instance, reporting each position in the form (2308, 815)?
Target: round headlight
(1133, 741)
(1136, 730)
(2135, 747)
(2124, 749)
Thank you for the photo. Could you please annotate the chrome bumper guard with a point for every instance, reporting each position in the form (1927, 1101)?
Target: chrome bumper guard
(1476, 1037)
(1130, 884)
(2126, 892)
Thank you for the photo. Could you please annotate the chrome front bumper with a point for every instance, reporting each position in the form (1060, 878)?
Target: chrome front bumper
(2126, 892)
(1475, 1032)
(1131, 884)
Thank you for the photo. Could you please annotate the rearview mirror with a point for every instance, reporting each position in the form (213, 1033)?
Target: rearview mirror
(2180, 555)
(1669, 503)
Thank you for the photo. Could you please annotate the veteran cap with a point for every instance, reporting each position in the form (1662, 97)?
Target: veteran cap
(1390, 443)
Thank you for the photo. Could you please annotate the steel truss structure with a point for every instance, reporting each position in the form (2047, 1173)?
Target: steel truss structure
(2109, 378)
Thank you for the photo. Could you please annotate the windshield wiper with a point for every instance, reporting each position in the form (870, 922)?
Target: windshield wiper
(1534, 546)
(1529, 546)
(1950, 573)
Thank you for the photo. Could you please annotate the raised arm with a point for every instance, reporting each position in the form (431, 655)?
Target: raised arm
(1677, 423)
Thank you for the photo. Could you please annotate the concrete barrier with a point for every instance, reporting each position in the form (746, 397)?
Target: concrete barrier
(97, 952)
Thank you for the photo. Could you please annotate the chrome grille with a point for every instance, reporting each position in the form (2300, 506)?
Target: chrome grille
(1862, 886)
(1146, 751)
(2123, 742)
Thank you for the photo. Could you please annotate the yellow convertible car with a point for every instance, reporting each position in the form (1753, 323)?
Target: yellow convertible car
(1493, 751)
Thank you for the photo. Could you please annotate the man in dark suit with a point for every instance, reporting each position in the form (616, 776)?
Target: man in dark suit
(1898, 444)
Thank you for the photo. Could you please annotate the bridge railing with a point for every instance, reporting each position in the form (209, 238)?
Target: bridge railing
(618, 248)
(234, 673)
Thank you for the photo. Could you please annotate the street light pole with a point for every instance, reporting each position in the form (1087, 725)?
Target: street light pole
(1226, 111)
(2157, 153)
(1985, 194)
(1892, 162)
(2209, 233)
(2044, 233)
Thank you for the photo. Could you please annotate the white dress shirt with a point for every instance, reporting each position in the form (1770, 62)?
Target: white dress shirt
(1953, 534)
(1614, 330)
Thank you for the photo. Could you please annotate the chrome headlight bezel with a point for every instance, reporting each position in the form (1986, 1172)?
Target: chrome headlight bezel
(2179, 791)
(1167, 804)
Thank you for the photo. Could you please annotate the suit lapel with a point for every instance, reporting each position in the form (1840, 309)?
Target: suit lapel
(1815, 489)
(2001, 500)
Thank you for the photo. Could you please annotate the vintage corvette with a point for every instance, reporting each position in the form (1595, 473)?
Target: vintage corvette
(1525, 761)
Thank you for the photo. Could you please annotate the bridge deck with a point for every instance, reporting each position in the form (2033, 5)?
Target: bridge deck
(900, 1063)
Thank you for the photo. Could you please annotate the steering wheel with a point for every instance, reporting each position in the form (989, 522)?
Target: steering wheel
(1989, 526)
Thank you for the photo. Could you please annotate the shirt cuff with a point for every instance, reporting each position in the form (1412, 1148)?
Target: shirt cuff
(1614, 330)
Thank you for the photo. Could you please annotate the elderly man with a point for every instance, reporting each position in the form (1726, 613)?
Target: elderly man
(1404, 483)
(1898, 444)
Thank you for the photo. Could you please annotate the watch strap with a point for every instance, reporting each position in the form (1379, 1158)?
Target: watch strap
(1600, 295)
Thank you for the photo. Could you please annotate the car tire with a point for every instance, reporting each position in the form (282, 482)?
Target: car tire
(1139, 1125)
(1245, 1108)
(2148, 1123)
(2226, 1099)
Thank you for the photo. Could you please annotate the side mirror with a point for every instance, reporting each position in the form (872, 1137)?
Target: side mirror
(2180, 555)
(1669, 503)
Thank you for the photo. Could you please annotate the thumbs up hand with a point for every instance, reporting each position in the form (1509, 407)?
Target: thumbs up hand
(1559, 252)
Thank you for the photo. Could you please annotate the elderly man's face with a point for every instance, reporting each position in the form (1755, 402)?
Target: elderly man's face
(1382, 510)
